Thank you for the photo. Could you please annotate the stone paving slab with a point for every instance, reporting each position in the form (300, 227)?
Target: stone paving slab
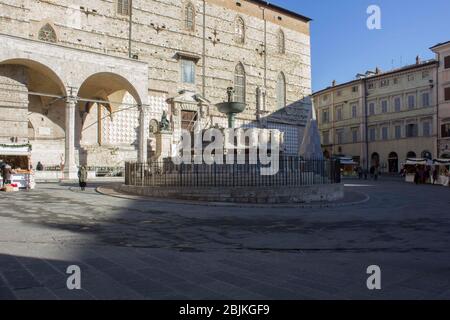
(129, 249)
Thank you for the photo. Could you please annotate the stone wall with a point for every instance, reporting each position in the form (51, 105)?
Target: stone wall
(271, 195)
(13, 105)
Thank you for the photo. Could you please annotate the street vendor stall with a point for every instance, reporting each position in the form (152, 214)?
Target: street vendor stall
(443, 167)
(412, 165)
(18, 158)
(348, 166)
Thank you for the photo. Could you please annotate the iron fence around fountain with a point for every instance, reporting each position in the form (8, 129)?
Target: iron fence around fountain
(293, 172)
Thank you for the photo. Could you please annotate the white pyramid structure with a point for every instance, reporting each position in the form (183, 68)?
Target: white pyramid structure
(311, 147)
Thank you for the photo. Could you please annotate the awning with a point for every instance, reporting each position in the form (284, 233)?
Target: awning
(438, 162)
(419, 161)
(14, 150)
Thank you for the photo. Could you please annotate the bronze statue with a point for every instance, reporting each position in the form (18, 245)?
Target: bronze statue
(164, 125)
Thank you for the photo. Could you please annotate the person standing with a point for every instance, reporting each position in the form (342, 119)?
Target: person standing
(82, 177)
(376, 172)
(435, 174)
(6, 174)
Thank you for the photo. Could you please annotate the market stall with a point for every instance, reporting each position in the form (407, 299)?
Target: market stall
(348, 166)
(443, 167)
(18, 158)
(412, 165)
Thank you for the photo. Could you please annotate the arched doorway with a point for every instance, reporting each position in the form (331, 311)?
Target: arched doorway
(375, 159)
(411, 155)
(426, 155)
(393, 162)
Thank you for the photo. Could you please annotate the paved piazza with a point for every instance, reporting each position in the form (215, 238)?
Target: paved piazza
(131, 248)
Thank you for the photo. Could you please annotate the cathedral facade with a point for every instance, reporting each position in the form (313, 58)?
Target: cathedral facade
(88, 83)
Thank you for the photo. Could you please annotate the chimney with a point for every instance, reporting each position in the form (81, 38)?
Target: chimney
(333, 83)
(418, 60)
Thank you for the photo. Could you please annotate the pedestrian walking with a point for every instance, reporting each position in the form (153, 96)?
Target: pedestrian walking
(435, 174)
(376, 173)
(82, 177)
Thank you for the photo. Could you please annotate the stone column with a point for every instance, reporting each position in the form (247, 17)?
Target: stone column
(142, 139)
(70, 168)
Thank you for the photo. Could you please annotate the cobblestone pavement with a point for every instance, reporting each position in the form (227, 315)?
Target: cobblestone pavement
(134, 249)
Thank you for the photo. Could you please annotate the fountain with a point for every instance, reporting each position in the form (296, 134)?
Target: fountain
(231, 108)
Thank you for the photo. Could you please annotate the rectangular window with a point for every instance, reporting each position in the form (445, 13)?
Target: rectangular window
(326, 137)
(370, 86)
(339, 114)
(425, 99)
(188, 71)
(325, 118)
(385, 133)
(372, 134)
(384, 106)
(425, 74)
(123, 7)
(371, 108)
(426, 129)
(411, 77)
(384, 83)
(339, 93)
(398, 132)
(340, 136)
(396, 81)
(398, 104)
(355, 89)
(354, 111)
(447, 62)
(355, 135)
(411, 102)
(445, 130)
(411, 130)
(447, 94)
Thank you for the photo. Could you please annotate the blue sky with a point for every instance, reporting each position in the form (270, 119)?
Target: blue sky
(343, 46)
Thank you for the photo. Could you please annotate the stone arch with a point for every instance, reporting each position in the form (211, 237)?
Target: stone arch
(375, 159)
(101, 98)
(411, 155)
(56, 85)
(393, 162)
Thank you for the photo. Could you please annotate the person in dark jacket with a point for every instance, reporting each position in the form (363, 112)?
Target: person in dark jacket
(6, 174)
(82, 177)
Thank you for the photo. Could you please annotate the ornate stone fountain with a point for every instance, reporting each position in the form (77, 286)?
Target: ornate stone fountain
(231, 108)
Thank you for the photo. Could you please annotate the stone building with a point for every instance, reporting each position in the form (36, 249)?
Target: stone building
(442, 51)
(87, 83)
(381, 118)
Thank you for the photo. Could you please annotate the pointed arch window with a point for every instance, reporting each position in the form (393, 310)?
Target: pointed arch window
(240, 30)
(189, 17)
(281, 42)
(123, 7)
(239, 83)
(47, 33)
(281, 91)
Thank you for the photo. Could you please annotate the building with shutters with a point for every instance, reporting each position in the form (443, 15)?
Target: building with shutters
(382, 118)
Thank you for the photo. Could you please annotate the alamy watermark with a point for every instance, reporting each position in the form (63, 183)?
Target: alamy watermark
(374, 19)
(230, 146)
(374, 280)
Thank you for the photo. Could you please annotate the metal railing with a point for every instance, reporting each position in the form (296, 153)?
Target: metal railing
(293, 171)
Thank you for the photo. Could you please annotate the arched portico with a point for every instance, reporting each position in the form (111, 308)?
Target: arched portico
(60, 72)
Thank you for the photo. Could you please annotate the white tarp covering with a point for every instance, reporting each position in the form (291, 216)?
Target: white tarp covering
(311, 147)
(14, 151)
